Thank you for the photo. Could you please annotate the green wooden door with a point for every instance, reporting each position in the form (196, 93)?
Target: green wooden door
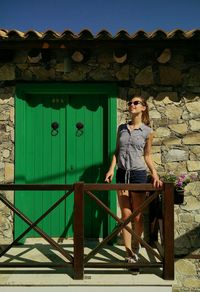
(67, 155)
(87, 153)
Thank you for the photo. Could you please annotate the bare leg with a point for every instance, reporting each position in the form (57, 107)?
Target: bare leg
(136, 200)
(125, 206)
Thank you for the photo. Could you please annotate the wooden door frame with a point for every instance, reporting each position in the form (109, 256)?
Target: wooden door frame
(107, 89)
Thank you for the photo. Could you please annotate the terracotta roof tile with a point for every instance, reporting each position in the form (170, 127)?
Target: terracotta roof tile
(50, 35)
(32, 34)
(158, 35)
(3, 33)
(176, 34)
(122, 35)
(193, 34)
(86, 34)
(103, 35)
(68, 35)
(14, 34)
(140, 35)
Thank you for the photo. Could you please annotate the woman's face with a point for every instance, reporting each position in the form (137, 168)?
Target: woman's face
(136, 105)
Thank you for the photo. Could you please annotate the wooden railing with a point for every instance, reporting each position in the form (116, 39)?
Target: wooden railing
(164, 252)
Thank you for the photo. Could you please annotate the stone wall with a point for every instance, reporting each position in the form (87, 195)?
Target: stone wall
(172, 88)
(6, 158)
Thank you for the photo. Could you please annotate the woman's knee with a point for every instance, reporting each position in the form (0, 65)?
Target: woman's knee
(138, 218)
(126, 213)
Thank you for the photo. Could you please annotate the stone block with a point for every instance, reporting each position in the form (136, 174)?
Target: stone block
(145, 76)
(157, 158)
(105, 58)
(9, 172)
(157, 141)
(176, 155)
(193, 188)
(154, 114)
(192, 139)
(193, 77)
(186, 218)
(185, 267)
(162, 132)
(76, 76)
(123, 74)
(6, 153)
(156, 149)
(170, 75)
(176, 167)
(193, 107)
(163, 122)
(12, 135)
(9, 195)
(173, 112)
(195, 125)
(42, 73)
(8, 233)
(191, 204)
(21, 58)
(98, 74)
(4, 115)
(193, 165)
(2, 174)
(12, 118)
(182, 243)
(179, 128)
(7, 72)
(197, 218)
(191, 283)
(172, 141)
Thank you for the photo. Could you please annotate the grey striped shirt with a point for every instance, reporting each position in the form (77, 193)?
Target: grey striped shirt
(131, 147)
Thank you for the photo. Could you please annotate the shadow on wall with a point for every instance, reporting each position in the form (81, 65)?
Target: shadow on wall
(184, 245)
(188, 242)
(96, 219)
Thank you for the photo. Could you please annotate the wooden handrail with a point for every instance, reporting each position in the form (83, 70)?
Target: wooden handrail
(87, 187)
(79, 262)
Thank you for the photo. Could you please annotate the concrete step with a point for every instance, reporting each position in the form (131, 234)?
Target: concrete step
(88, 289)
(38, 251)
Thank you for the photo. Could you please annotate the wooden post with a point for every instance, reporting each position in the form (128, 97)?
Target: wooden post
(78, 230)
(168, 231)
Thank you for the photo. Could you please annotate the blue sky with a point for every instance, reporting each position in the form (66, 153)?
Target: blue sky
(112, 15)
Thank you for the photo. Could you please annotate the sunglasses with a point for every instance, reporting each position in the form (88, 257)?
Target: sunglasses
(136, 102)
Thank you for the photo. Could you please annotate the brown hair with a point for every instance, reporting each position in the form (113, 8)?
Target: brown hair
(145, 114)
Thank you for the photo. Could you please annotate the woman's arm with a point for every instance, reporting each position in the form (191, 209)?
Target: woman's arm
(110, 173)
(149, 161)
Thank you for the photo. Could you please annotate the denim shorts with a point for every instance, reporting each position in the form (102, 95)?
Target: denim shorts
(132, 176)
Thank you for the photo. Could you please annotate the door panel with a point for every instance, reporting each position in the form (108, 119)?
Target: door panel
(88, 158)
(45, 156)
(40, 161)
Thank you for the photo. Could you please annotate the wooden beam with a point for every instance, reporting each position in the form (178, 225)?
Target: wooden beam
(168, 231)
(87, 44)
(78, 230)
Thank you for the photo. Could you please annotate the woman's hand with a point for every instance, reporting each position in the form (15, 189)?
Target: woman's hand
(109, 176)
(157, 183)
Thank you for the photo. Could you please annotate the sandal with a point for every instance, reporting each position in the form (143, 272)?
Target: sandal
(132, 260)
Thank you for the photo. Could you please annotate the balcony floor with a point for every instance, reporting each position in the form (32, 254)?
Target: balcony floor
(38, 250)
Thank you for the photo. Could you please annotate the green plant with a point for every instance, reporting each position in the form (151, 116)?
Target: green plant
(179, 181)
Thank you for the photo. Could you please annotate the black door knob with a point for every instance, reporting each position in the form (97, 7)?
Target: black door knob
(55, 126)
(79, 126)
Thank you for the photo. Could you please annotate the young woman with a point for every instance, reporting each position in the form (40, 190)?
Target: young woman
(132, 155)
